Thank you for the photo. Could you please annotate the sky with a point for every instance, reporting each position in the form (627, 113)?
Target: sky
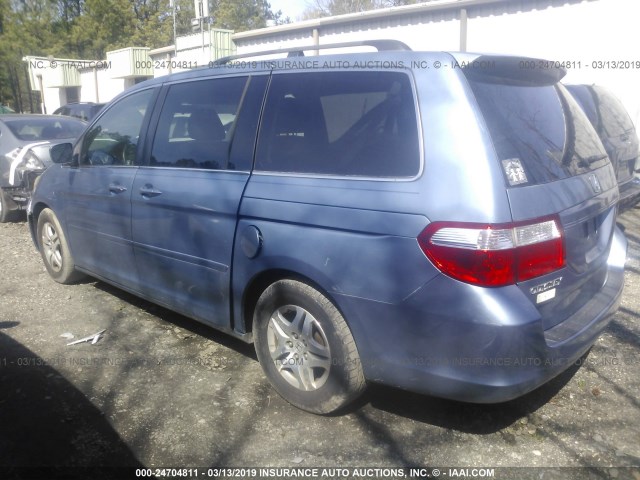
(291, 8)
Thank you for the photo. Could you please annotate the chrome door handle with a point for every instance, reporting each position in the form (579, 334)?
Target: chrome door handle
(115, 188)
(149, 191)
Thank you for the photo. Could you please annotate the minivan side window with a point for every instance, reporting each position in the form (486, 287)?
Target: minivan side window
(340, 123)
(197, 123)
(113, 140)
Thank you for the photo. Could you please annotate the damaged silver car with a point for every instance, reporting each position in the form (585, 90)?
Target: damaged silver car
(25, 141)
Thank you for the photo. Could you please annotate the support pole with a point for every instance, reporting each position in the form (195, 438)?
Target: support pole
(316, 40)
(463, 30)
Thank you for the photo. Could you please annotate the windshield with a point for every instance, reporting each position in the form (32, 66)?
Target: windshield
(539, 132)
(40, 129)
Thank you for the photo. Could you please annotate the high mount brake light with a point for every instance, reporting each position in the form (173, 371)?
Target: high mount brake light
(494, 255)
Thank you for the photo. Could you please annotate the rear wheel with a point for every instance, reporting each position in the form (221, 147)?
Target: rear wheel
(306, 348)
(54, 249)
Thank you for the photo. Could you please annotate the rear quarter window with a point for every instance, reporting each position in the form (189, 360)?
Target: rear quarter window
(340, 123)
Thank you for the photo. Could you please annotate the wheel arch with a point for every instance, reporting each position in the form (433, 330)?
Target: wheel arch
(261, 281)
(33, 221)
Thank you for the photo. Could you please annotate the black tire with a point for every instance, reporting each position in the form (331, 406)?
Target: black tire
(7, 215)
(54, 249)
(306, 348)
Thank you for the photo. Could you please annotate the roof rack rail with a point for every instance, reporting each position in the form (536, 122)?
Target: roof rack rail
(381, 45)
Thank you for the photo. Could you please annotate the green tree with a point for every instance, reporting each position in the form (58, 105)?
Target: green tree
(105, 25)
(87, 29)
(26, 30)
(64, 42)
(6, 94)
(68, 10)
(184, 14)
(153, 23)
(327, 8)
(241, 15)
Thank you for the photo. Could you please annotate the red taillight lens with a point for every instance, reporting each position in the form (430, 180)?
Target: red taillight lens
(494, 255)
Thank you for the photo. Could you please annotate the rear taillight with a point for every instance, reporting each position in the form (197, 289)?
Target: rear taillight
(494, 255)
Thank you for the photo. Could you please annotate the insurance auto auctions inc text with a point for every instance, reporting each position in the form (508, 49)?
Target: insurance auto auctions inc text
(349, 473)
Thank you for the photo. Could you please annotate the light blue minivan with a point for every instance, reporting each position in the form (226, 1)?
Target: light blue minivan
(442, 223)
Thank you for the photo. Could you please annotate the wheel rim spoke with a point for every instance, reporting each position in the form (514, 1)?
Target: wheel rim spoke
(313, 361)
(307, 326)
(317, 348)
(280, 353)
(304, 375)
(285, 362)
(299, 319)
(299, 347)
(280, 326)
(52, 247)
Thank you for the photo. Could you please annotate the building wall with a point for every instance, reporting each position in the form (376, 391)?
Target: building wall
(53, 98)
(108, 87)
(121, 69)
(194, 50)
(56, 77)
(583, 32)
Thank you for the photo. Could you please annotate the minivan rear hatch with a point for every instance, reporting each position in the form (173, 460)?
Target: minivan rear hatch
(554, 166)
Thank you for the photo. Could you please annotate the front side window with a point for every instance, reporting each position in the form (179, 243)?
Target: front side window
(197, 123)
(340, 123)
(113, 140)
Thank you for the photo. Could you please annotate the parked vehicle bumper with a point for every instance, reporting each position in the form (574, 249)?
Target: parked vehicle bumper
(629, 194)
(18, 196)
(489, 347)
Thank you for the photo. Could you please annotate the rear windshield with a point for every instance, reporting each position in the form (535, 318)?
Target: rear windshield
(83, 112)
(539, 132)
(39, 129)
(614, 119)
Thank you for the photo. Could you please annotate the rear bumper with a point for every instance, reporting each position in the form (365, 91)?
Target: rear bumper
(473, 344)
(629, 194)
(18, 197)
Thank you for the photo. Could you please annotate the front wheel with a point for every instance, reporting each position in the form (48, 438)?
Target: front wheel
(306, 348)
(54, 249)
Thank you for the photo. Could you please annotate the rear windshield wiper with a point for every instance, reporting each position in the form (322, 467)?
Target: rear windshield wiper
(587, 162)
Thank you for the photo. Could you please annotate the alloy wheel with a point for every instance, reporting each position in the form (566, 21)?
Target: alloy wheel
(299, 347)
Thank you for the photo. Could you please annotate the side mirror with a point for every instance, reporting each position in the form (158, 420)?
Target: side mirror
(61, 153)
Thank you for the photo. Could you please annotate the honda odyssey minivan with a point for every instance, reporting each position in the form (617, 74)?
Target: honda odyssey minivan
(442, 223)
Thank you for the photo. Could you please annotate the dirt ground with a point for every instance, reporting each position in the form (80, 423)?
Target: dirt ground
(161, 391)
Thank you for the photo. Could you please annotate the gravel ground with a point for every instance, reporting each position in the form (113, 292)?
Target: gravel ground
(160, 390)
